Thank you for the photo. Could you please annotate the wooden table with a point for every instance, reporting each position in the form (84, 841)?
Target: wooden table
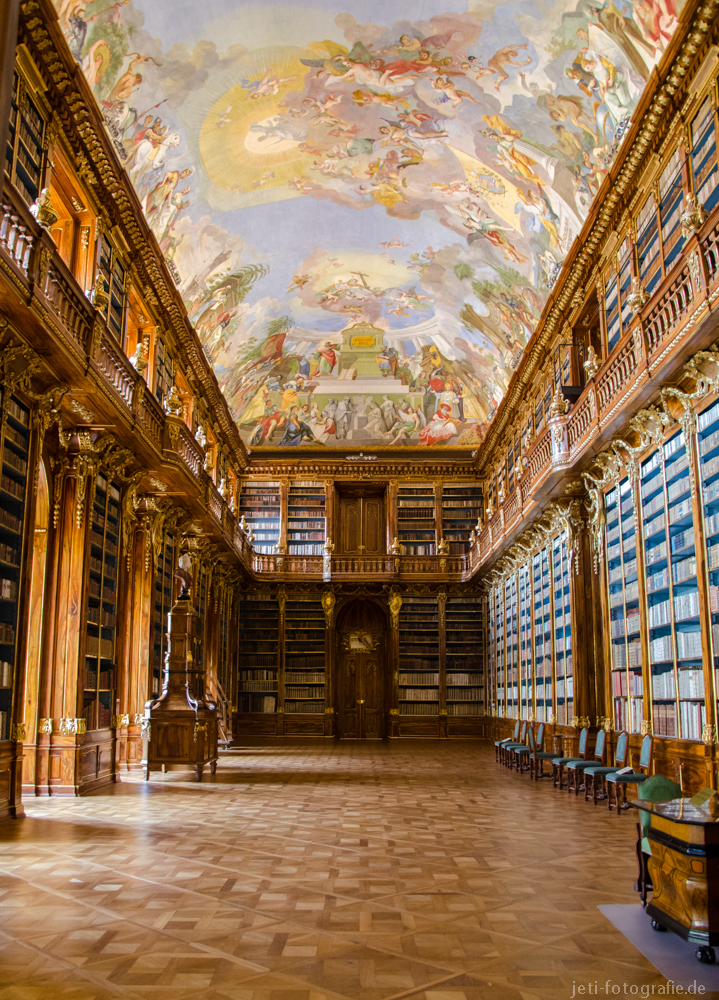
(684, 869)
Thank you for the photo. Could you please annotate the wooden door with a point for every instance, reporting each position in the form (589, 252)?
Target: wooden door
(361, 690)
(362, 527)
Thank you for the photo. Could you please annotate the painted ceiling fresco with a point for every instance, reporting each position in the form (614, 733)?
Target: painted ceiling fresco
(364, 211)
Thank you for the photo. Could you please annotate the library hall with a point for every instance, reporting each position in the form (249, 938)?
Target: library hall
(359, 499)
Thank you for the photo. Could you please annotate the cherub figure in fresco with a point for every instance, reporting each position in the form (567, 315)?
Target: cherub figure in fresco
(364, 97)
(450, 93)
(268, 86)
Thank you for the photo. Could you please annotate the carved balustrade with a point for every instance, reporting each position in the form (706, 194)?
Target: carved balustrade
(616, 376)
(665, 315)
(151, 417)
(581, 418)
(16, 232)
(112, 362)
(190, 452)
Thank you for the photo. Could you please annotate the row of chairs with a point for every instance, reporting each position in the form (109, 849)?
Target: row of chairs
(588, 772)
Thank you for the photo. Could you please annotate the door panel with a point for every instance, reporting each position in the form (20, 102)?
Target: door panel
(361, 696)
(349, 708)
(362, 527)
(373, 525)
(351, 525)
(372, 714)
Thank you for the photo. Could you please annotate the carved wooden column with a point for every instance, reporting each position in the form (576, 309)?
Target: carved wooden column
(395, 605)
(391, 513)
(329, 509)
(328, 606)
(74, 467)
(441, 608)
(136, 614)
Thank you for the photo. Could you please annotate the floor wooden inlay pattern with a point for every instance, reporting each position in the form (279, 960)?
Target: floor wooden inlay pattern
(307, 870)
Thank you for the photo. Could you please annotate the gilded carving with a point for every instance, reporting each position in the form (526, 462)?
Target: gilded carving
(45, 727)
(328, 606)
(395, 605)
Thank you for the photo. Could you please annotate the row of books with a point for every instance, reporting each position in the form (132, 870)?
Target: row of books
(98, 616)
(629, 655)
(9, 554)
(621, 687)
(565, 687)
(305, 550)
(8, 589)
(408, 708)
(417, 678)
(693, 718)
(95, 646)
(10, 521)
(4, 725)
(257, 675)
(464, 694)
(12, 486)
(258, 685)
(258, 659)
(6, 671)
(304, 677)
(626, 626)
(96, 715)
(664, 719)
(14, 461)
(259, 703)
(7, 633)
(419, 694)
(108, 594)
(105, 680)
(98, 566)
(303, 691)
(18, 412)
(304, 707)
(689, 647)
(628, 714)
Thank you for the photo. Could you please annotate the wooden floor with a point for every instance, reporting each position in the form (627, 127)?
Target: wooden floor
(312, 869)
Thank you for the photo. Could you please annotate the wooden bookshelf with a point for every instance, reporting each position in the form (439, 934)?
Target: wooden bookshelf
(304, 673)
(261, 506)
(542, 613)
(464, 640)
(563, 659)
(13, 496)
(98, 682)
(462, 506)
(259, 655)
(417, 519)
(306, 519)
(419, 657)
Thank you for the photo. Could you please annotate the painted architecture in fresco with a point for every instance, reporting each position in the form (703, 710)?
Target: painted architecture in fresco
(364, 219)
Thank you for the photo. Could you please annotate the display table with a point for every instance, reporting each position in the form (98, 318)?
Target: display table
(684, 869)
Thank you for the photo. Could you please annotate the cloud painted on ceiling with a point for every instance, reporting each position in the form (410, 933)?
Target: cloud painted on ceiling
(364, 218)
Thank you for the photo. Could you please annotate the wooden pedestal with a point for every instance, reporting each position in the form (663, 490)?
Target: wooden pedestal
(179, 732)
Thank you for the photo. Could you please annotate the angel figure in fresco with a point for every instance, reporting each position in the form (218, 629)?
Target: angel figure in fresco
(130, 79)
(657, 21)
(268, 86)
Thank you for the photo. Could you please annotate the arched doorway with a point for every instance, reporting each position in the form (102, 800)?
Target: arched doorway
(361, 671)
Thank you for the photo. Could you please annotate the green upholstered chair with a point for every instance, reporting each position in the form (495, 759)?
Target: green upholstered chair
(521, 753)
(539, 755)
(559, 763)
(658, 788)
(498, 744)
(595, 776)
(506, 754)
(575, 769)
(617, 783)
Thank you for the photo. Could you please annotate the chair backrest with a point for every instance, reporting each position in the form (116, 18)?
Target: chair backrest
(621, 754)
(656, 789)
(532, 744)
(540, 737)
(523, 737)
(583, 742)
(645, 757)
(599, 746)
(515, 736)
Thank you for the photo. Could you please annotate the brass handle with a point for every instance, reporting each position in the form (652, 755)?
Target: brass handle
(360, 701)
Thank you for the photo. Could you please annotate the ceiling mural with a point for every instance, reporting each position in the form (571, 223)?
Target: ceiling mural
(364, 211)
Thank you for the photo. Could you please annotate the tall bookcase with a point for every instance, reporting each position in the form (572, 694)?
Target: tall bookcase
(708, 435)
(525, 641)
(563, 671)
(462, 507)
(163, 604)
(306, 519)
(13, 493)
(464, 643)
(259, 652)
(511, 632)
(224, 645)
(99, 674)
(500, 658)
(624, 614)
(260, 503)
(304, 657)
(491, 655)
(416, 519)
(419, 656)
(542, 606)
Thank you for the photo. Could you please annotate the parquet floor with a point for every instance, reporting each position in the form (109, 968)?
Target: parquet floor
(311, 870)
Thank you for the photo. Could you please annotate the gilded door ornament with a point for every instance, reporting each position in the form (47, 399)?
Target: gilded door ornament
(360, 641)
(328, 606)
